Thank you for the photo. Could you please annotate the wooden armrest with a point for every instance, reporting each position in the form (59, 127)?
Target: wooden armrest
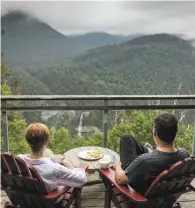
(60, 190)
(2, 189)
(129, 192)
(82, 166)
(192, 187)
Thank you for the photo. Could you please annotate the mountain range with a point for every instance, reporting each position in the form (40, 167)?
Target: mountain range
(47, 62)
(28, 42)
(150, 64)
(98, 39)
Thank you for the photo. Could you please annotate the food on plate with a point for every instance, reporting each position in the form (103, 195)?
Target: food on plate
(90, 155)
(95, 154)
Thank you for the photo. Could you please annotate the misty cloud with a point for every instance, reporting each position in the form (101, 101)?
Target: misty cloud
(129, 17)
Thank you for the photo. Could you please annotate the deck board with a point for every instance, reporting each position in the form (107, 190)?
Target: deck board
(93, 196)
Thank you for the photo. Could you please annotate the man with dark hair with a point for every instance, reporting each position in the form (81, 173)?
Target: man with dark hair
(165, 127)
(139, 166)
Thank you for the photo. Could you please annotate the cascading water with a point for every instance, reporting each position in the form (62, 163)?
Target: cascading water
(81, 124)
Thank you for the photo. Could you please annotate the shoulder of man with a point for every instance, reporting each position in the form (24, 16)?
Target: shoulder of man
(183, 152)
(145, 156)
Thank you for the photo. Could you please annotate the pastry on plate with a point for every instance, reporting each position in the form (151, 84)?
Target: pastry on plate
(95, 154)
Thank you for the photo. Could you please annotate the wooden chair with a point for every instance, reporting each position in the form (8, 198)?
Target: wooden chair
(162, 193)
(26, 189)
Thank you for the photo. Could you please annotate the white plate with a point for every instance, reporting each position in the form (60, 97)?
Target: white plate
(86, 155)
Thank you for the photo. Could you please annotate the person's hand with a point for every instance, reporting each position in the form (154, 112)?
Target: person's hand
(117, 164)
(82, 166)
(58, 158)
(67, 163)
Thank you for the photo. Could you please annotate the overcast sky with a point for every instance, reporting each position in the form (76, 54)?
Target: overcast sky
(121, 17)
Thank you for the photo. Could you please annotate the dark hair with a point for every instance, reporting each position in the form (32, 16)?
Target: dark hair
(165, 127)
(37, 135)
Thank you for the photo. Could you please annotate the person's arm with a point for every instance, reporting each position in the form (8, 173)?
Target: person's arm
(75, 177)
(121, 177)
(67, 163)
(63, 160)
(136, 171)
(83, 166)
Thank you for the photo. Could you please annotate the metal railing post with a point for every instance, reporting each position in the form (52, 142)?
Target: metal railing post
(105, 124)
(5, 127)
(193, 143)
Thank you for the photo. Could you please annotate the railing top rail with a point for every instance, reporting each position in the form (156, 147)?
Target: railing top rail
(102, 107)
(96, 97)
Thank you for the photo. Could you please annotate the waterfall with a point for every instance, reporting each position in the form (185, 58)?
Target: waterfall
(81, 124)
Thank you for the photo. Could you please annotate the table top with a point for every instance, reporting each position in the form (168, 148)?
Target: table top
(93, 165)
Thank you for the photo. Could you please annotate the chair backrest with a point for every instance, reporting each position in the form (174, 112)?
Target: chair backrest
(22, 183)
(171, 183)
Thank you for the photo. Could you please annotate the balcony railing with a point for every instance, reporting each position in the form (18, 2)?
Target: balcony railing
(105, 107)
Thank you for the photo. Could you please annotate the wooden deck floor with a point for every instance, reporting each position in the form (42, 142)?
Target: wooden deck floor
(93, 196)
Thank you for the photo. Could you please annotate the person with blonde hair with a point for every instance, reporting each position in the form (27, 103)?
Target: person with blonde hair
(53, 174)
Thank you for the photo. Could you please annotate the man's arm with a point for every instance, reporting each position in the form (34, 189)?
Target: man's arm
(121, 177)
(138, 170)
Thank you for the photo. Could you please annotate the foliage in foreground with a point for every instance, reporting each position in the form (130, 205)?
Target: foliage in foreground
(16, 124)
(139, 124)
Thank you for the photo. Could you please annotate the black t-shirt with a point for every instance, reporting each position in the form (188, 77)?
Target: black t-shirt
(145, 168)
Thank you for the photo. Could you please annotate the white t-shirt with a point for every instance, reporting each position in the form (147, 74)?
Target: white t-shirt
(54, 174)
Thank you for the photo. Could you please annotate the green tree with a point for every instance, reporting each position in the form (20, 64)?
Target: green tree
(137, 123)
(140, 125)
(16, 127)
(185, 137)
(16, 124)
(96, 139)
(61, 141)
(115, 133)
(5, 89)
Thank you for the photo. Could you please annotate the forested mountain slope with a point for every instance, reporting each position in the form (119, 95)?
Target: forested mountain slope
(29, 43)
(28, 84)
(150, 64)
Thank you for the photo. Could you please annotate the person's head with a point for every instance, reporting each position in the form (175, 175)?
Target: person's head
(165, 128)
(37, 136)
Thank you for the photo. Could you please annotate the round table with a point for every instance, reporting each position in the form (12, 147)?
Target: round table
(93, 165)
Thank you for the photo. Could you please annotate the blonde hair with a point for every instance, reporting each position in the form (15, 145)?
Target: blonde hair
(37, 134)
